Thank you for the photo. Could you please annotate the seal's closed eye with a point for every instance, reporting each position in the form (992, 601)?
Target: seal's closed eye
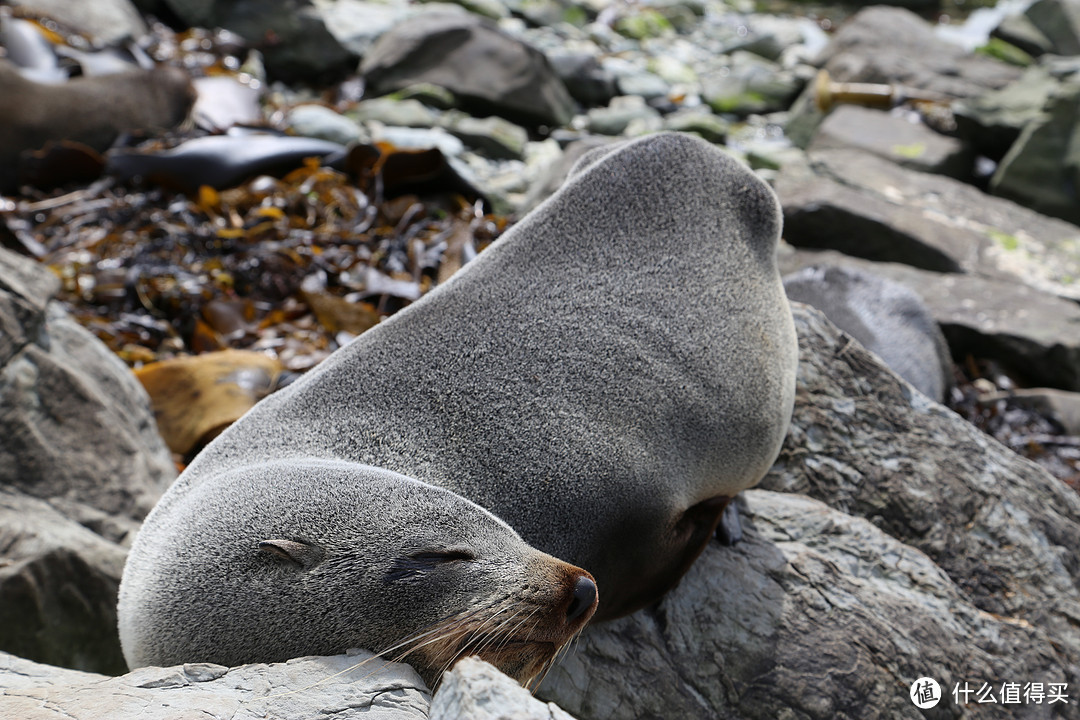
(426, 561)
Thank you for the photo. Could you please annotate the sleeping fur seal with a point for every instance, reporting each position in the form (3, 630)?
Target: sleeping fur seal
(604, 378)
(91, 110)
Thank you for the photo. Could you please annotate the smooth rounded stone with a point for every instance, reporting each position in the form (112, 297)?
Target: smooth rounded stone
(993, 120)
(540, 13)
(390, 111)
(617, 117)
(901, 138)
(58, 587)
(671, 71)
(751, 85)
(1031, 332)
(1059, 22)
(1042, 167)
(886, 317)
(446, 48)
(639, 23)
(351, 686)
(642, 84)
(927, 548)
(492, 136)
(357, 24)
(110, 22)
(769, 36)
(494, 9)
(476, 690)
(405, 138)
(587, 81)
(700, 121)
(855, 202)
(319, 121)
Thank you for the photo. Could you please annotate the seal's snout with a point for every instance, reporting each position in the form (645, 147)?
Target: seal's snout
(582, 600)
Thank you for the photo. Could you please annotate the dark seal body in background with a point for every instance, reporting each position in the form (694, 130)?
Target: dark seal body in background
(603, 378)
(92, 110)
(884, 316)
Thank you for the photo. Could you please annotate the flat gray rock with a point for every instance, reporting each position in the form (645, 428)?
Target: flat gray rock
(865, 206)
(929, 550)
(1035, 334)
(893, 137)
(335, 686)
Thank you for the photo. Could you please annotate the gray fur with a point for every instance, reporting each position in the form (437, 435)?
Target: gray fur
(623, 353)
(184, 590)
(884, 316)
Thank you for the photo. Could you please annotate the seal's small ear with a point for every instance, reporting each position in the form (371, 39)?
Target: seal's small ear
(304, 555)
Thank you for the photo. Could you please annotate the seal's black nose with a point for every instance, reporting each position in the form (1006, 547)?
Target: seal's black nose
(583, 599)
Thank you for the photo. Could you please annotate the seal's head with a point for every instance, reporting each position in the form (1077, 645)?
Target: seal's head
(310, 557)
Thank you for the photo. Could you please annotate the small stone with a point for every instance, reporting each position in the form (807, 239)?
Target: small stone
(431, 95)
(643, 84)
(403, 113)
(493, 136)
(752, 85)
(699, 121)
(616, 117)
(318, 121)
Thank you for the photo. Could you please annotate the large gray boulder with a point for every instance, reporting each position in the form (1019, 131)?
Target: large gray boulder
(863, 205)
(75, 422)
(928, 549)
(993, 120)
(81, 463)
(1042, 168)
(446, 48)
(892, 45)
(58, 587)
(1059, 22)
(293, 35)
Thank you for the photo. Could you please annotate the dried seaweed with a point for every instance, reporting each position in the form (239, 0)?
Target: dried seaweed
(270, 265)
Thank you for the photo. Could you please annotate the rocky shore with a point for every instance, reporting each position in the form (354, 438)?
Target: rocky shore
(894, 539)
